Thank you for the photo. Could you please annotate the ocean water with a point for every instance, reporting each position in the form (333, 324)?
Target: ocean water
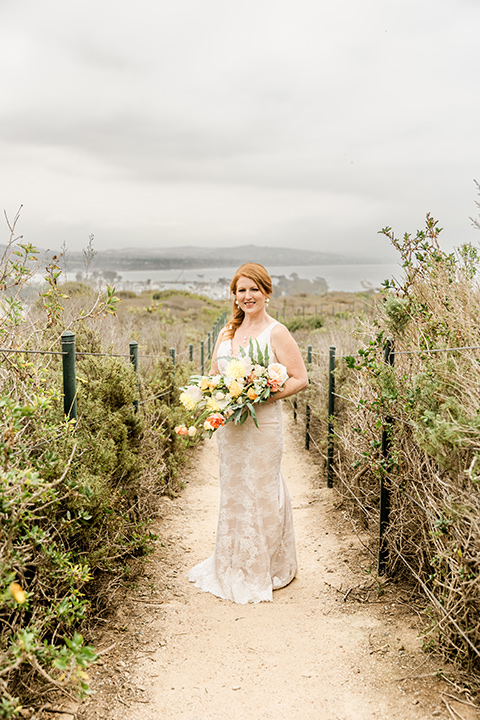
(348, 278)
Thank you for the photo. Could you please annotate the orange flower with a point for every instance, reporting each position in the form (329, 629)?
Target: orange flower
(17, 592)
(274, 385)
(204, 384)
(216, 420)
(235, 389)
(181, 430)
(251, 394)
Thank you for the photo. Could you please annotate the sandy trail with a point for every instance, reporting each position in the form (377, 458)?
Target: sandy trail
(313, 653)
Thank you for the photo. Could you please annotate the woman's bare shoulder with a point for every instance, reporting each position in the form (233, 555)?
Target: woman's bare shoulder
(279, 331)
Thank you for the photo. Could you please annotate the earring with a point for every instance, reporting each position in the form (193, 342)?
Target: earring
(237, 303)
(267, 300)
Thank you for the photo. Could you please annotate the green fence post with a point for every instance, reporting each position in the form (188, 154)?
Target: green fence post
(133, 348)
(190, 352)
(331, 415)
(69, 377)
(202, 357)
(209, 355)
(307, 427)
(385, 499)
(309, 356)
(172, 355)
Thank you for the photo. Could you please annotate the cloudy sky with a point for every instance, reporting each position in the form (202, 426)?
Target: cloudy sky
(276, 122)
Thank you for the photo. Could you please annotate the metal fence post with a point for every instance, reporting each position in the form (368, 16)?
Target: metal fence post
(69, 377)
(202, 357)
(385, 495)
(307, 406)
(190, 352)
(307, 427)
(133, 346)
(331, 415)
(209, 345)
(172, 355)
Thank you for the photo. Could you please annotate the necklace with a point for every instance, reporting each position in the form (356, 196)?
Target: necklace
(245, 337)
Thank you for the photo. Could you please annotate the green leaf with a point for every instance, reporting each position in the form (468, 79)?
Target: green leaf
(259, 353)
(253, 413)
(266, 356)
(243, 417)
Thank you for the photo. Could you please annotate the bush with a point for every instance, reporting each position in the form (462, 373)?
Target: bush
(434, 533)
(76, 498)
(304, 323)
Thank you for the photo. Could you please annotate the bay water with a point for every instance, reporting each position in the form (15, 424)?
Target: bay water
(346, 278)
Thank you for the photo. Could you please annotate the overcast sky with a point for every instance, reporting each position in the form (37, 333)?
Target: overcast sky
(276, 122)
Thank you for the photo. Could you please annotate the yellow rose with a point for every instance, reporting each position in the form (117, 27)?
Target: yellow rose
(235, 389)
(205, 384)
(251, 394)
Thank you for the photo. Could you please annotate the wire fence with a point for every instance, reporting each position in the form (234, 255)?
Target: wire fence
(326, 449)
(199, 354)
(323, 439)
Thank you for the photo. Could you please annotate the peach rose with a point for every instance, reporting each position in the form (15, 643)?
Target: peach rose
(251, 394)
(181, 430)
(204, 384)
(235, 389)
(277, 373)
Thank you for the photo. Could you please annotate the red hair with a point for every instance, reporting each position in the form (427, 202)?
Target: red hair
(257, 273)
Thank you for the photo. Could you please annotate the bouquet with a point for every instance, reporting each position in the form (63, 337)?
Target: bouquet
(213, 400)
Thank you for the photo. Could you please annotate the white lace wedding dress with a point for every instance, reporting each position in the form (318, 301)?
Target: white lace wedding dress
(255, 545)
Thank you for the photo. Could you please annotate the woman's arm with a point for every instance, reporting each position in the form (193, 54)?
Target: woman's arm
(287, 353)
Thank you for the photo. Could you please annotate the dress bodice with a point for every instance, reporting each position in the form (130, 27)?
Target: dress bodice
(225, 348)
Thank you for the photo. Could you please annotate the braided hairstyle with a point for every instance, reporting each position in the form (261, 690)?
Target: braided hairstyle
(257, 273)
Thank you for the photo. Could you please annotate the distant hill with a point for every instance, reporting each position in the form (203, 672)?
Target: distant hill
(188, 257)
(203, 257)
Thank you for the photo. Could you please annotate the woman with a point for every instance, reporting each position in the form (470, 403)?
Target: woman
(255, 546)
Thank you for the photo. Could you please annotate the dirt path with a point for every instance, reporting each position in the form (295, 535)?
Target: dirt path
(316, 652)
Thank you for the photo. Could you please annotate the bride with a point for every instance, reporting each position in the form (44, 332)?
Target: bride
(255, 545)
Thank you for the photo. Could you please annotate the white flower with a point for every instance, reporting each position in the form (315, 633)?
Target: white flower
(247, 364)
(219, 396)
(192, 431)
(278, 373)
(229, 380)
(216, 380)
(191, 397)
(259, 370)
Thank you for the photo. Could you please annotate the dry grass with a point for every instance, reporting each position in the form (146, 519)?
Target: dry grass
(433, 398)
